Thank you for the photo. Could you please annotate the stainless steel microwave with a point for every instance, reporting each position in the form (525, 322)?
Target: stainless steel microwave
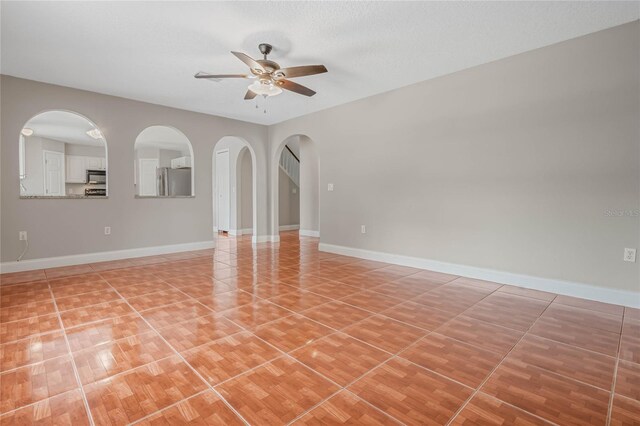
(96, 177)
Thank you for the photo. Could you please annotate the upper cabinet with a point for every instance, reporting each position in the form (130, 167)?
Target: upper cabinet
(56, 151)
(163, 165)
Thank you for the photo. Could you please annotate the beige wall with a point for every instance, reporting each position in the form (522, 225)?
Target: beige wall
(309, 186)
(510, 166)
(65, 227)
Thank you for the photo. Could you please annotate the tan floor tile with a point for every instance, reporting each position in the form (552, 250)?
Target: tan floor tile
(411, 394)
(154, 300)
(32, 350)
(204, 409)
(385, 333)
(189, 334)
(108, 330)
(102, 311)
(628, 380)
(548, 395)
(36, 382)
(570, 361)
(485, 410)
(340, 357)
(16, 330)
(345, 408)
(481, 334)
(165, 316)
(336, 314)
(625, 412)
(137, 393)
(86, 299)
(227, 357)
(577, 335)
(419, 315)
(255, 314)
(276, 393)
(371, 301)
(228, 300)
(458, 361)
(109, 359)
(291, 332)
(66, 409)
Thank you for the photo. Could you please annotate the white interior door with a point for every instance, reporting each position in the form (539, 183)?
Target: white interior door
(53, 173)
(147, 179)
(222, 190)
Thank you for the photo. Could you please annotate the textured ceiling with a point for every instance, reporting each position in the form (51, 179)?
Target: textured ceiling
(149, 51)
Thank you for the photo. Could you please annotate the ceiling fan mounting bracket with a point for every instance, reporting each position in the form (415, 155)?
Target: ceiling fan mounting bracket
(265, 49)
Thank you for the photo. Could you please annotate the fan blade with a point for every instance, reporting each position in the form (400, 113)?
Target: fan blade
(302, 71)
(205, 75)
(295, 87)
(252, 63)
(249, 95)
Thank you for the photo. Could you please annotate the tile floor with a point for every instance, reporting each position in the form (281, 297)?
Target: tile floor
(286, 334)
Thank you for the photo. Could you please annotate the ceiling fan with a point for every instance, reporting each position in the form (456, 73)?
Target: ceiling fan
(270, 78)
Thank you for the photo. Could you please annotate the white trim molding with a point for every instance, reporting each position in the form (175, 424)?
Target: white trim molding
(567, 288)
(289, 227)
(103, 256)
(265, 239)
(309, 233)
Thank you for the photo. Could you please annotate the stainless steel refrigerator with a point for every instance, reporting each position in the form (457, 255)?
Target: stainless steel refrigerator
(173, 182)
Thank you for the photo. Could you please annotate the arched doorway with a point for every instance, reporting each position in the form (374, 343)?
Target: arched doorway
(234, 187)
(296, 194)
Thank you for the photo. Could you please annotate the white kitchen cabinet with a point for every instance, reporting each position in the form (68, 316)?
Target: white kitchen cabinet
(103, 164)
(75, 169)
(180, 162)
(93, 163)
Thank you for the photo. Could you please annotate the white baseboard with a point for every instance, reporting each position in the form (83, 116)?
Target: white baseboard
(265, 239)
(309, 233)
(80, 259)
(567, 288)
(245, 231)
(289, 227)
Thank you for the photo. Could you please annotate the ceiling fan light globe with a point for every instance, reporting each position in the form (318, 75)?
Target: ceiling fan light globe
(259, 88)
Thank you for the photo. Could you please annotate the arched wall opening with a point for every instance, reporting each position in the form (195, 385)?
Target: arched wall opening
(234, 185)
(163, 163)
(308, 197)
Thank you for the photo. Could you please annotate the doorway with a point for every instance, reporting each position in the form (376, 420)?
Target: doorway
(53, 173)
(234, 187)
(297, 186)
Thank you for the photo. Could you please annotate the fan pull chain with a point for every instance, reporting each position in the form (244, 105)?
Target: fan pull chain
(265, 103)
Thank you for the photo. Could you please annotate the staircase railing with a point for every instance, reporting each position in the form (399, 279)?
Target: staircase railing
(290, 163)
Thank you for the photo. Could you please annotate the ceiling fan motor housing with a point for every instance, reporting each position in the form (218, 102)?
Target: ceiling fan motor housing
(265, 49)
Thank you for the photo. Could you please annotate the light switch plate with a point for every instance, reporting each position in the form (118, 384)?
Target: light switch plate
(330, 187)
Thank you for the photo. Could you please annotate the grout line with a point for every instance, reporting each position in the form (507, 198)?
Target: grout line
(206, 383)
(615, 373)
(486, 379)
(73, 362)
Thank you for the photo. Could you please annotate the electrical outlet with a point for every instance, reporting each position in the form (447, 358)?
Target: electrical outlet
(330, 187)
(363, 229)
(107, 230)
(629, 255)
(294, 190)
(22, 236)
